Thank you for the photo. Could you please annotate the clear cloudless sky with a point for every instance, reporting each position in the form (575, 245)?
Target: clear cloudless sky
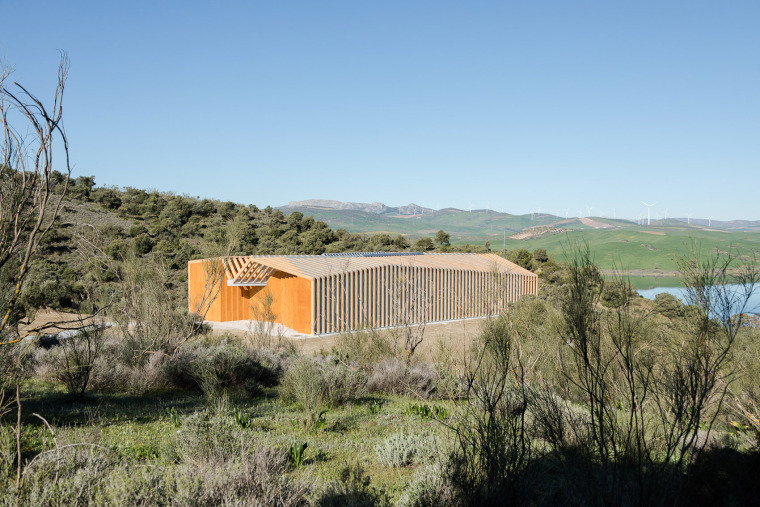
(562, 106)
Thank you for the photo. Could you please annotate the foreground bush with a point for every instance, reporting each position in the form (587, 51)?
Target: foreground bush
(402, 449)
(318, 384)
(216, 467)
(366, 346)
(352, 489)
(394, 376)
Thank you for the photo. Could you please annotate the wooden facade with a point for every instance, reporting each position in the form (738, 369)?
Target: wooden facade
(326, 294)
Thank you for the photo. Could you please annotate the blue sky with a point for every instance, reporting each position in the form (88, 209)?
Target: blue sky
(550, 105)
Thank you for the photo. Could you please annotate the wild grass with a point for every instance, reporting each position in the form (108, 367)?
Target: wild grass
(573, 401)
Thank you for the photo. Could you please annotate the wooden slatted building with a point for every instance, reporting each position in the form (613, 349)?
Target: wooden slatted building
(315, 294)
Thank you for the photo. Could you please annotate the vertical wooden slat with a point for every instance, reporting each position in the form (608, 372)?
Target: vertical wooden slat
(321, 315)
(313, 323)
(374, 306)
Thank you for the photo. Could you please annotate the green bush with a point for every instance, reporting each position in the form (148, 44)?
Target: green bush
(75, 357)
(353, 489)
(668, 305)
(216, 468)
(317, 384)
(224, 365)
(142, 244)
(394, 376)
(366, 346)
(403, 449)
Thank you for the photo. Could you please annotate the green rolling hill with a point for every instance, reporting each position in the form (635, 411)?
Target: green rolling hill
(643, 251)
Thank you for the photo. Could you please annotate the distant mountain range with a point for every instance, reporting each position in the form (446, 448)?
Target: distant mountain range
(374, 207)
(374, 217)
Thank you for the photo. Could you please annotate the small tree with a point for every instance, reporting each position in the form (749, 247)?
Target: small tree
(648, 397)
(424, 244)
(443, 238)
(30, 193)
(410, 309)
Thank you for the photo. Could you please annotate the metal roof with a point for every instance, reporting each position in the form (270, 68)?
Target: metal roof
(256, 269)
(372, 254)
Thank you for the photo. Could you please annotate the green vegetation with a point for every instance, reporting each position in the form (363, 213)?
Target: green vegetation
(585, 394)
(107, 239)
(651, 248)
(607, 395)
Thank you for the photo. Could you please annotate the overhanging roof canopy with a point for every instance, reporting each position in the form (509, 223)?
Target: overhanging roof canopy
(255, 270)
(246, 272)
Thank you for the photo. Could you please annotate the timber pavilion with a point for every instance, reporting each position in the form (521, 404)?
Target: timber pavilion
(318, 294)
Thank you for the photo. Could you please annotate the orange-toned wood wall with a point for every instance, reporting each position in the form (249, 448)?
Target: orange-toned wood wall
(368, 297)
(291, 298)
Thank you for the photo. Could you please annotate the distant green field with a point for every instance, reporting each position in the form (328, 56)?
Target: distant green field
(646, 248)
(647, 254)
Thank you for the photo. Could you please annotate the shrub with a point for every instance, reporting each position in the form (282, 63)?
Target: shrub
(253, 388)
(402, 449)
(353, 489)
(394, 376)
(366, 346)
(75, 358)
(492, 458)
(213, 438)
(7, 451)
(222, 468)
(111, 374)
(668, 305)
(303, 383)
(316, 384)
(223, 365)
(142, 244)
(238, 472)
(79, 471)
(431, 486)
(342, 383)
(616, 293)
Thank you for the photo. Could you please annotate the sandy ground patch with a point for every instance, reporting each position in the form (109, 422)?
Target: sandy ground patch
(454, 336)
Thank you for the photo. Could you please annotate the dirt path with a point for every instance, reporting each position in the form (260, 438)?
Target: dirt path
(58, 321)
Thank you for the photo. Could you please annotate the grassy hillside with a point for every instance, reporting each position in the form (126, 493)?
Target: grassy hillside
(464, 226)
(647, 253)
(650, 248)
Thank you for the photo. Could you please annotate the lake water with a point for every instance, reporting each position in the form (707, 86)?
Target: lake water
(680, 292)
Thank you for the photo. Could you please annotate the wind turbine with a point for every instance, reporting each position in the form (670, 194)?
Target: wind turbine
(688, 219)
(566, 212)
(649, 208)
(709, 222)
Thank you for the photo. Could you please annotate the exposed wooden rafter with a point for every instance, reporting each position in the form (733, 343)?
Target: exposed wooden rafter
(246, 272)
